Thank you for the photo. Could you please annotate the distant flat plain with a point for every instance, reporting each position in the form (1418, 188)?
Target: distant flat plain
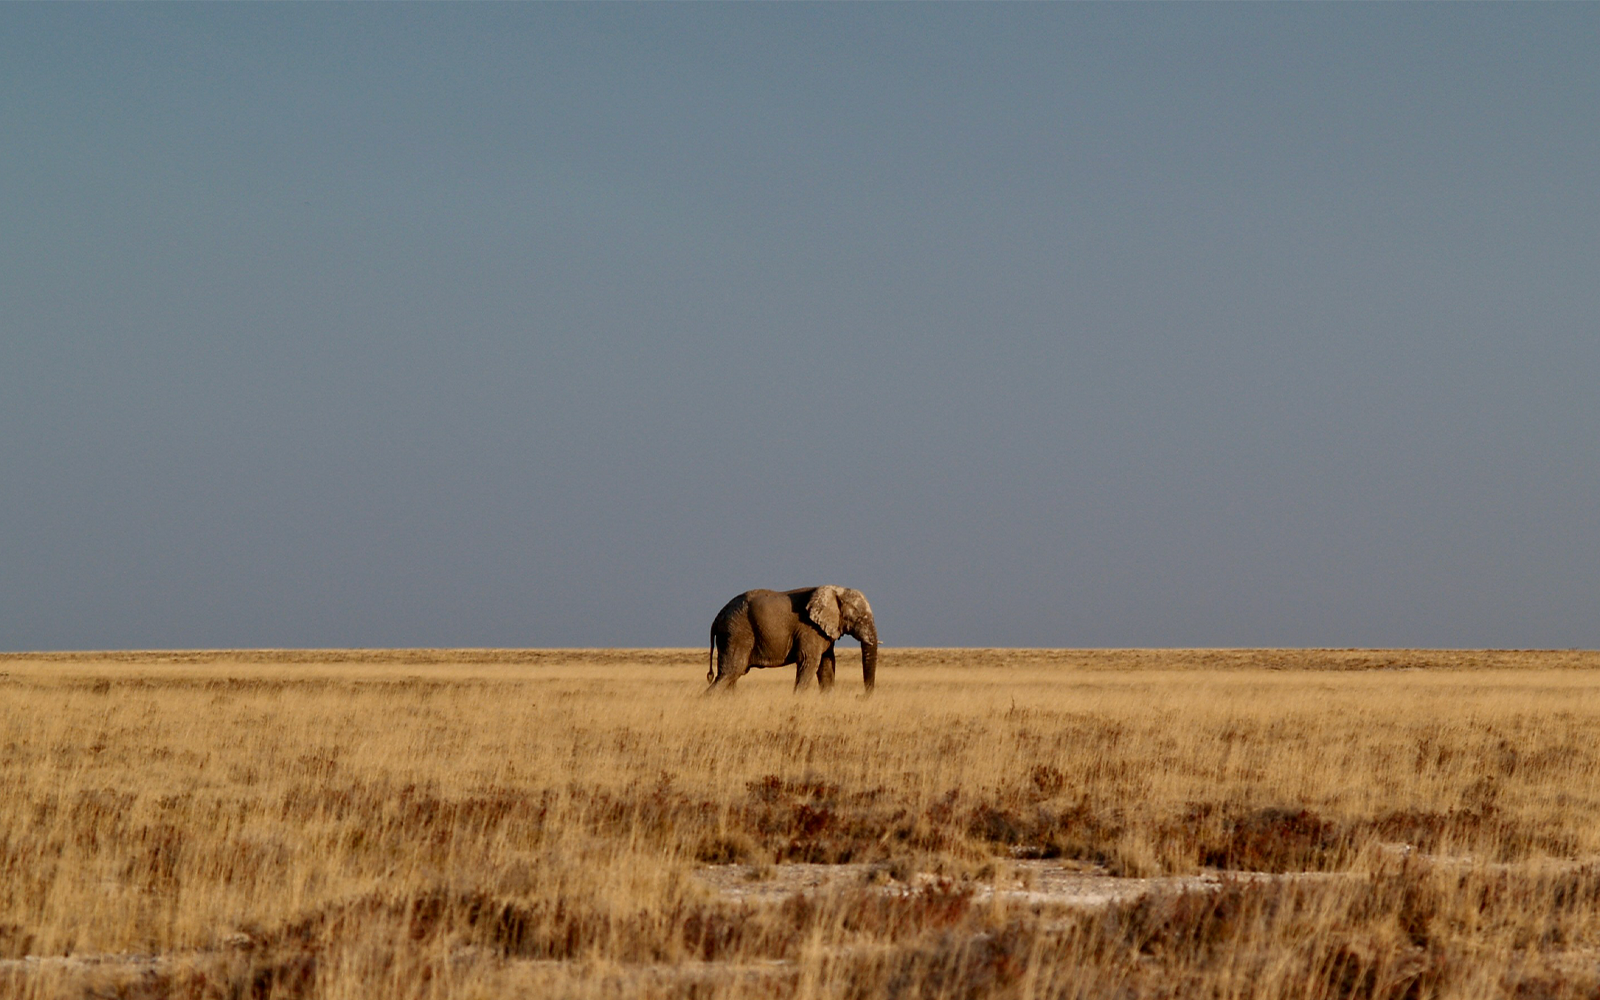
(330, 823)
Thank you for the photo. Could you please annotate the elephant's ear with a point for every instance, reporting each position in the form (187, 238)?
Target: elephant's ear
(823, 610)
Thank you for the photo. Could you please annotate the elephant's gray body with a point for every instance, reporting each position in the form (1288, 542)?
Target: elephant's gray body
(769, 628)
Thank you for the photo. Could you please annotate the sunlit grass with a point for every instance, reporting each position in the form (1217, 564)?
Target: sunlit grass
(477, 822)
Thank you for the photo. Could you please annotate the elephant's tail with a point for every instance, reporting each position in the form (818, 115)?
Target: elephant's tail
(711, 659)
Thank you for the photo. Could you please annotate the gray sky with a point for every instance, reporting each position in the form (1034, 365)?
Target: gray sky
(484, 325)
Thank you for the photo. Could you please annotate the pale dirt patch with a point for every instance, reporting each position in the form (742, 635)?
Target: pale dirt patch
(1025, 881)
(610, 977)
(78, 963)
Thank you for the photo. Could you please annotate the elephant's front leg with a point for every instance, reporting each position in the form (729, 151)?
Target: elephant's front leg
(805, 669)
(810, 651)
(825, 670)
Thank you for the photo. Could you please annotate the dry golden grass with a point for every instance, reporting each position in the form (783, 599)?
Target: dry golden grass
(481, 822)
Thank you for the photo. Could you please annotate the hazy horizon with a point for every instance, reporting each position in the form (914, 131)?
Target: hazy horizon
(1084, 326)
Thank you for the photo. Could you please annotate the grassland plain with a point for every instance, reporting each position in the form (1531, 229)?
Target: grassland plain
(421, 823)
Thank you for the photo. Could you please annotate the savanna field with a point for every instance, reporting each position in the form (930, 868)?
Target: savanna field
(991, 823)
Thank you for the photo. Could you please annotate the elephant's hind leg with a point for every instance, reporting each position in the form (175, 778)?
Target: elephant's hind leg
(732, 663)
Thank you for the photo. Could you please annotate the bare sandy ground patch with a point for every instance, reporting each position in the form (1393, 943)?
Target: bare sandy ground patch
(1025, 881)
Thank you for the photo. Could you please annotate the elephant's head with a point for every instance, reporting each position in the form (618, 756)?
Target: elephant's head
(842, 611)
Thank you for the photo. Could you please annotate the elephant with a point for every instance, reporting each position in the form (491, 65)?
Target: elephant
(768, 628)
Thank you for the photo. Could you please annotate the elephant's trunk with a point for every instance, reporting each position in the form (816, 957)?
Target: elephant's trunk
(867, 633)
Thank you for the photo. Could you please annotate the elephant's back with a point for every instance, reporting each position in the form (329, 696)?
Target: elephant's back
(768, 602)
(765, 611)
